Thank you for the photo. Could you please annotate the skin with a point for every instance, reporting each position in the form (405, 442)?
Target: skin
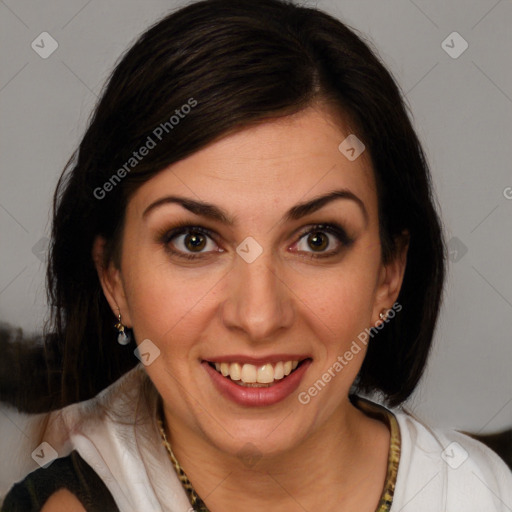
(326, 453)
(63, 501)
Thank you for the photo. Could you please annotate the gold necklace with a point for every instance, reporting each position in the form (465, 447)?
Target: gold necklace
(196, 502)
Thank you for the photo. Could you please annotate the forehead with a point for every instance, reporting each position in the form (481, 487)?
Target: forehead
(271, 165)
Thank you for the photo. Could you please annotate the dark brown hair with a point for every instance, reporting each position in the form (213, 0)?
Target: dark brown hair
(243, 62)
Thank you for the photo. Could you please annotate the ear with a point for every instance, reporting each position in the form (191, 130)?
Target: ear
(391, 278)
(111, 282)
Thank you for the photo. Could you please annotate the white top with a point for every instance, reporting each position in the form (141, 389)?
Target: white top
(439, 470)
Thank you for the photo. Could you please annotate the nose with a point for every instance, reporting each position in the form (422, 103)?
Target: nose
(259, 302)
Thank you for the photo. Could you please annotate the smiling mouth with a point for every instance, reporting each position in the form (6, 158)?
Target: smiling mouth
(260, 376)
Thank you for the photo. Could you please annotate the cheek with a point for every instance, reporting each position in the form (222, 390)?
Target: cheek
(167, 305)
(342, 316)
(337, 311)
(339, 302)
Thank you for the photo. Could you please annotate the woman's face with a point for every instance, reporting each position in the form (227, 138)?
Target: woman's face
(264, 275)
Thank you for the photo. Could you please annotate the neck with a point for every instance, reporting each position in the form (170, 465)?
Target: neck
(341, 466)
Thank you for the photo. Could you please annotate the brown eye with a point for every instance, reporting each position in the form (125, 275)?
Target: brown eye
(323, 240)
(195, 241)
(318, 241)
(190, 242)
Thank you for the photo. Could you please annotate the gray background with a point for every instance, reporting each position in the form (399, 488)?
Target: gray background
(462, 109)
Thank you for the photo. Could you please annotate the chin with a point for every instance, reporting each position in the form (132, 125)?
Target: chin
(264, 437)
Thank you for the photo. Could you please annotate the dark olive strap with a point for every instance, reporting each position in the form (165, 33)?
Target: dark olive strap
(71, 473)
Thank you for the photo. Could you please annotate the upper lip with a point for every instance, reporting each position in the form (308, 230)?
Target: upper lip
(273, 358)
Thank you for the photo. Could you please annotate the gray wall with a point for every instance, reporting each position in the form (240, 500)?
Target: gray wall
(462, 110)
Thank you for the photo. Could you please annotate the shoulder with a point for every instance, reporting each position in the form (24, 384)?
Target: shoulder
(67, 480)
(445, 469)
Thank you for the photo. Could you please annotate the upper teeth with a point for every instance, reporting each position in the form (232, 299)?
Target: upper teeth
(249, 373)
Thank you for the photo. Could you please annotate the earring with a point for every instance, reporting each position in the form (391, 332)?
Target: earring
(123, 338)
(383, 314)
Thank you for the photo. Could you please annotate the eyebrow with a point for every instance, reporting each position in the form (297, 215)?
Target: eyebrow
(298, 211)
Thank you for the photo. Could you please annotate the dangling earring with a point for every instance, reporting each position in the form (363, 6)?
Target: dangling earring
(383, 314)
(123, 338)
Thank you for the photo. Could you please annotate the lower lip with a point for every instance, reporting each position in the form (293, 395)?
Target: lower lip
(258, 397)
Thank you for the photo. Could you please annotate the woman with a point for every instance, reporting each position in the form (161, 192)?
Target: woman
(252, 210)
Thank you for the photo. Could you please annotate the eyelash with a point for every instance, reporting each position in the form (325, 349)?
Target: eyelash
(185, 228)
